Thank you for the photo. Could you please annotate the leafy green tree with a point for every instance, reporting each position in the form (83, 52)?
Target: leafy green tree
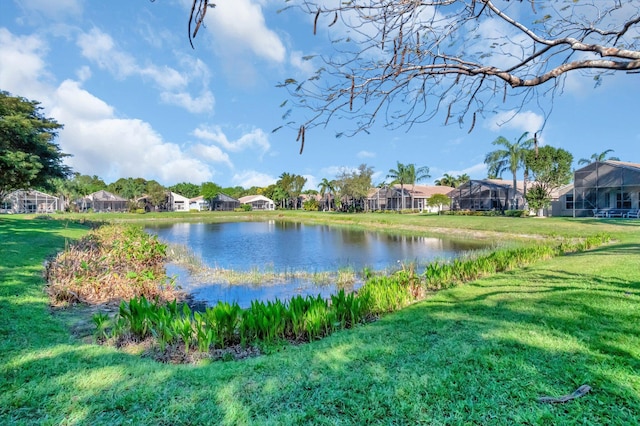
(186, 189)
(551, 168)
(438, 200)
(285, 182)
(235, 191)
(598, 157)
(355, 185)
(156, 193)
(296, 188)
(511, 157)
(311, 205)
(280, 196)
(128, 188)
(29, 157)
(292, 185)
(209, 191)
(86, 184)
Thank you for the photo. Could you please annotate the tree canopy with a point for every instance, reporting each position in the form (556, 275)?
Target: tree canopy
(551, 168)
(29, 156)
(406, 62)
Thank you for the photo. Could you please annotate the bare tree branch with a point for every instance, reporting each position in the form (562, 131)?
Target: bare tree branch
(198, 12)
(403, 61)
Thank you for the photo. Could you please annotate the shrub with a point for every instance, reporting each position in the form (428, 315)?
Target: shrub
(311, 205)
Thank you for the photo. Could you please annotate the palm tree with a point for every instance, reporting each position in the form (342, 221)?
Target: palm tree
(446, 180)
(416, 175)
(399, 175)
(327, 186)
(462, 179)
(598, 157)
(511, 157)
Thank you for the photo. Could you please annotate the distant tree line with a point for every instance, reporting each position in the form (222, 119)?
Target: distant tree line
(30, 159)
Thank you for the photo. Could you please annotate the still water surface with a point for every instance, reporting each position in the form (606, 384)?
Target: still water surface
(285, 246)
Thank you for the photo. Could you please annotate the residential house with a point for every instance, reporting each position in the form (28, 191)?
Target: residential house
(561, 202)
(102, 201)
(387, 198)
(177, 202)
(30, 201)
(488, 194)
(410, 197)
(198, 203)
(223, 202)
(258, 202)
(421, 194)
(603, 188)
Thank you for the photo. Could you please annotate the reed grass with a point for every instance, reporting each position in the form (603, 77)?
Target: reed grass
(202, 274)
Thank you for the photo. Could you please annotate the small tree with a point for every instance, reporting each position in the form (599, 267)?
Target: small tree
(209, 191)
(551, 168)
(538, 197)
(156, 193)
(438, 200)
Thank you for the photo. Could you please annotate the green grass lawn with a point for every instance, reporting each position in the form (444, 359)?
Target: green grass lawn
(481, 353)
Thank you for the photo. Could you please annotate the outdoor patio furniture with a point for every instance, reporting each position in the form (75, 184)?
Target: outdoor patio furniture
(616, 213)
(633, 214)
(600, 213)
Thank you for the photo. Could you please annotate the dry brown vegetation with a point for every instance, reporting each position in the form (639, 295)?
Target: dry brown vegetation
(110, 264)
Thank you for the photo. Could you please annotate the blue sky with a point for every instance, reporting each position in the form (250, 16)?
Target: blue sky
(137, 101)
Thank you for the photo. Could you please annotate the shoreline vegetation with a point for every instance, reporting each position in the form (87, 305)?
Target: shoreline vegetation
(123, 263)
(553, 279)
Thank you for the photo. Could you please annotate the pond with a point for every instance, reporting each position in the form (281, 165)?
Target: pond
(298, 252)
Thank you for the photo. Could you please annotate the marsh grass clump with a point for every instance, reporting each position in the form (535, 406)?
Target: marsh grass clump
(256, 276)
(111, 263)
(225, 330)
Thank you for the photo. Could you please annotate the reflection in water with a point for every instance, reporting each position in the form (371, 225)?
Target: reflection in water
(289, 246)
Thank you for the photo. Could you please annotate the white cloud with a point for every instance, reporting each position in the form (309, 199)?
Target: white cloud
(112, 147)
(311, 183)
(477, 171)
(22, 68)
(366, 154)
(83, 73)
(80, 104)
(211, 153)
(240, 24)
(256, 138)
(524, 121)
(100, 48)
(249, 178)
(202, 103)
(55, 10)
(306, 66)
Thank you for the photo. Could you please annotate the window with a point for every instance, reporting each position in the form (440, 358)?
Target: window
(568, 201)
(623, 200)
